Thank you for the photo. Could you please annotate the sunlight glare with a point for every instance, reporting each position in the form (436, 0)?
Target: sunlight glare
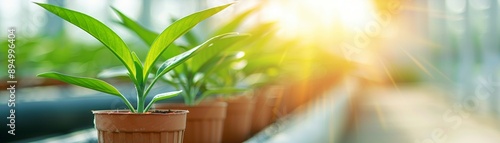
(307, 18)
(354, 13)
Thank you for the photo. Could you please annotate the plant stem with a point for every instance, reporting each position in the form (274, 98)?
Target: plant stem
(150, 86)
(149, 106)
(140, 100)
(188, 95)
(195, 92)
(128, 104)
(191, 93)
(147, 92)
(140, 105)
(136, 84)
(184, 87)
(190, 85)
(139, 86)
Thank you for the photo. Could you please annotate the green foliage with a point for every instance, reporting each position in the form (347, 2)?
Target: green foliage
(137, 71)
(185, 76)
(174, 61)
(176, 30)
(98, 30)
(145, 34)
(90, 83)
(162, 96)
(211, 72)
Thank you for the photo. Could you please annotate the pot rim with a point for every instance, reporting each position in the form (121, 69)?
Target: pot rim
(127, 112)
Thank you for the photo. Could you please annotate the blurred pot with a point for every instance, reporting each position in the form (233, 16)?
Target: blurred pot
(204, 123)
(238, 123)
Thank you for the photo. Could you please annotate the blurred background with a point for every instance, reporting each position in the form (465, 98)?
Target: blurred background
(346, 71)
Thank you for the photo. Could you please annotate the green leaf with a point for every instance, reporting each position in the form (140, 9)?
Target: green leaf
(233, 25)
(220, 62)
(90, 83)
(136, 59)
(179, 59)
(98, 30)
(162, 96)
(190, 36)
(138, 79)
(176, 30)
(166, 95)
(207, 55)
(146, 35)
(113, 72)
(172, 51)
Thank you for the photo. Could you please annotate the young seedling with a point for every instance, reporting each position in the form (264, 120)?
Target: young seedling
(137, 71)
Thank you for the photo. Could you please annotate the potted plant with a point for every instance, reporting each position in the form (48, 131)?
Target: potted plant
(250, 111)
(205, 120)
(246, 108)
(223, 75)
(228, 78)
(137, 124)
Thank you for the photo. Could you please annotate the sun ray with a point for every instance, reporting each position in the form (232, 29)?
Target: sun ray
(380, 114)
(389, 75)
(437, 70)
(422, 67)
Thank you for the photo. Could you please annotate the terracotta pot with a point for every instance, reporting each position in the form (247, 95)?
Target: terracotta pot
(121, 126)
(302, 92)
(204, 123)
(238, 121)
(282, 93)
(265, 103)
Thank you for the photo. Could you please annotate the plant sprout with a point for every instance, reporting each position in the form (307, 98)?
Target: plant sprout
(138, 71)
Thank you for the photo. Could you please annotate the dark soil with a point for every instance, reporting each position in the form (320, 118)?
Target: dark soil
(165, 111)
